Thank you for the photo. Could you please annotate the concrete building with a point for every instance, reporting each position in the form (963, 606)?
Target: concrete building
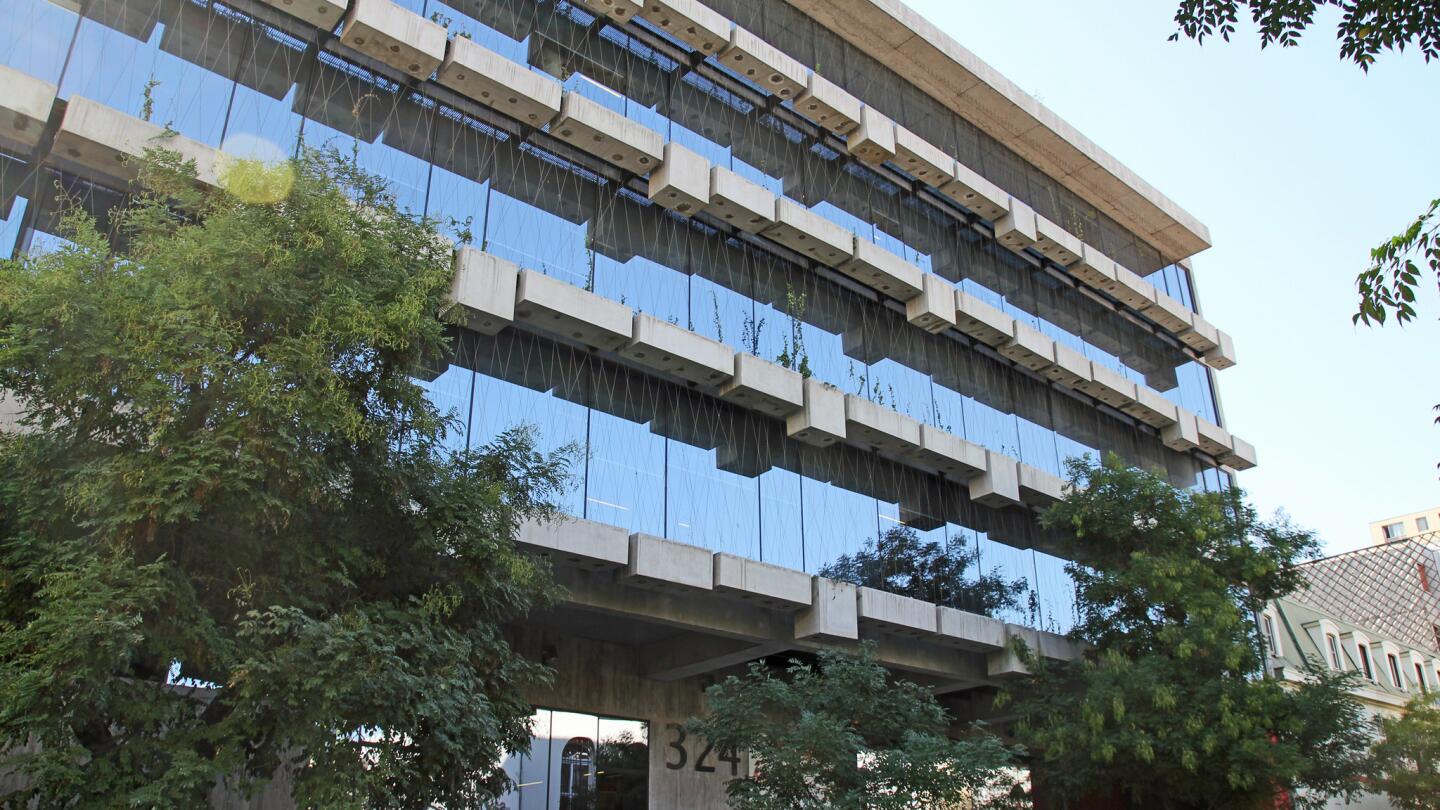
(1402, 527)
(1390, 672)
(794, 275)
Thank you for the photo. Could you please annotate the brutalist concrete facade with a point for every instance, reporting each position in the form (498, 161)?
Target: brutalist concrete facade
(794, 291)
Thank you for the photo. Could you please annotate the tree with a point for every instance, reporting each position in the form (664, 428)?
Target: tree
(840, 733)
(1171, 703)
(899, 562)
(1405, 763)
(231, 538)
(1366, 28)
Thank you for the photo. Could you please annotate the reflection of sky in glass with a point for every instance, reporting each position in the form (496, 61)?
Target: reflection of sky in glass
(722, 492)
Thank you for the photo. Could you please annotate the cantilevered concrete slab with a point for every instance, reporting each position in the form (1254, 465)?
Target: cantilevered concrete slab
(898, 37)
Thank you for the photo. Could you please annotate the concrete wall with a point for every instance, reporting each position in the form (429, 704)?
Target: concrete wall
(675, 781)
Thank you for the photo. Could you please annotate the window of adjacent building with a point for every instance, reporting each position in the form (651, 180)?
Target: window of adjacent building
(1269, 625)
(1420, 678)
(1395, 671)
(1422, 524)
(1334, 647)
(1424, 576)
(1365, 663)
(1393, 531)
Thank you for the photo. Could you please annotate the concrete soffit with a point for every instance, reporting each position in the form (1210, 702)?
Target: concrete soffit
(898, 36)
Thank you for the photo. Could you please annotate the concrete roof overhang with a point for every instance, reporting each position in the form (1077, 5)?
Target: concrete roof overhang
(897, 36)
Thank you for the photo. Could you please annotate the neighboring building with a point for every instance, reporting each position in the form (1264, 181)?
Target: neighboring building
(679, 213)
(1393, 588)
(1390, 671)
(1401, 527)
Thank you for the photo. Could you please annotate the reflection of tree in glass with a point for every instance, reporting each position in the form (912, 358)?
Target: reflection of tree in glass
(620, 780)
(900, 562)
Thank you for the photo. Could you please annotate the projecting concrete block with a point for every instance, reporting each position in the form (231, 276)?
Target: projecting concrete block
(871, 425)
(981, 321)
(323, 14)
(691, 22)
(1222, 356)
(620, 11)
(482, 291)
(1070, 369)
(1057, 244)
(951, 456)
(765, 584)
(805, 231)
(1202, 336)
(901, 615)
(25, 104)
(1130, 289)
(1150, 407)
(675, 350)
(833, 611)
(1184, 435)
(825, 103)
(682, 182)
(1108, 385)
(577, 542)
(764, 64)
(765, 387)
(102, 144)
(567, 310)
(1169, 313)
(739, 202)
(667, 565)
(882, 271)
(1028, 348)
(479, 73)
(1039, 488)
(1241, 455)
(591, 127)
(394, 35)
(976, 193)
(1016, 229)
(873, 141)
(1214, 439)
(999, 485)
(934, 308)
(969, 631)
(922, 160)
(822, 421)
(1094, 268)
(1006, 663)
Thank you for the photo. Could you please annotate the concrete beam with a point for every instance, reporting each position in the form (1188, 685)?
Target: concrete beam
(485, 76)
(25, 104)
(692, 654)
(882, 270)
(608, 135)
(828, 105)
(764, 64)
(739, 202)
(394, 35)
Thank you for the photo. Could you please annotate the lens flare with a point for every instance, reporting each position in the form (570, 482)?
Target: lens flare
(255, 170)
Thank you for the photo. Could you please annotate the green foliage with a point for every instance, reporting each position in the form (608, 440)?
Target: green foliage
(1366, 27)
(792, 353)
(900, 563)
(1171, 703)
(1405, 763)
(841, 734)
(1388, 285)
(232, 538)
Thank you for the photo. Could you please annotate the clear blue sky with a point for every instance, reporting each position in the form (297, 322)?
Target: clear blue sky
(1299, 164)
